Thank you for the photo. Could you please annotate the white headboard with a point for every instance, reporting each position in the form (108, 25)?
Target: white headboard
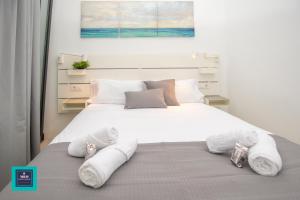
(76, 85)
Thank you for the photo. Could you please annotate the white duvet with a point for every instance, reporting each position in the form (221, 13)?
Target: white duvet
(188, 122)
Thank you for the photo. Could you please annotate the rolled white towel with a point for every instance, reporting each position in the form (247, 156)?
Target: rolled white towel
(224, 142)
(128, 147)
(101, 138)
(96, 171)
(264, 157)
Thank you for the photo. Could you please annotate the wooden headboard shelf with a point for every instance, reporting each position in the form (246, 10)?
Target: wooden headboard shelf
(126, 67)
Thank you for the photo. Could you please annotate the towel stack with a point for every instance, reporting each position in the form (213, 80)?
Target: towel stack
(263, 156)
(96, 170)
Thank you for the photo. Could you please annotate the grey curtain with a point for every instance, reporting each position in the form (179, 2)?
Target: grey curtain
(20, 84)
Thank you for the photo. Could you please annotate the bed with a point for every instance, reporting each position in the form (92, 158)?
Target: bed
(171, 162)
(187, 122)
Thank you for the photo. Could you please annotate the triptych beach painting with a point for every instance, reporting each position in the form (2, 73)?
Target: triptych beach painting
(112, 19)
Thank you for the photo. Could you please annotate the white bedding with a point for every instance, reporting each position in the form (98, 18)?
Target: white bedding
(188, 122)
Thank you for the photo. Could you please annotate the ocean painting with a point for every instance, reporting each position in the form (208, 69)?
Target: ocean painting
(175, 19)
(127, 19)
(99, 19)
(138, 19)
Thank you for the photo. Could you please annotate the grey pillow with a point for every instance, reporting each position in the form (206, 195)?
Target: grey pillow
(145, 99)
(169, 90)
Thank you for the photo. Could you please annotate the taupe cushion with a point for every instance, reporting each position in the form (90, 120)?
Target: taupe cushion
(169, 90)
(145, 99)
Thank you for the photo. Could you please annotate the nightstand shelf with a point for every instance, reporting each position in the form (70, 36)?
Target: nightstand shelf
(69, 105)
(217, 101)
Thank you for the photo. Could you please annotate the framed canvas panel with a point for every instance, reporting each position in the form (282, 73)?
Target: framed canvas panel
(99, 19)
(175, 19)
(138, 19)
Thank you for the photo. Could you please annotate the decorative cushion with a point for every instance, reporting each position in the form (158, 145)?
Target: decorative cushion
(145, 99)
(187, 91)
(168, 87)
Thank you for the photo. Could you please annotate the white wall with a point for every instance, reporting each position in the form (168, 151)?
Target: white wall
(65, 37)
(264, 64)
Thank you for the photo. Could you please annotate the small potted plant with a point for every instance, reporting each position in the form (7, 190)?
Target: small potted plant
(81, 65)
(79, 68)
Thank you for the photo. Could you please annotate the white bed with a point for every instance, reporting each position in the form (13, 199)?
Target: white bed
(187, 122)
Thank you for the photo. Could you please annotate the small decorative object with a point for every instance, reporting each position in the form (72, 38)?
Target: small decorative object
(81, 65)
(90, 151)
(239, 155)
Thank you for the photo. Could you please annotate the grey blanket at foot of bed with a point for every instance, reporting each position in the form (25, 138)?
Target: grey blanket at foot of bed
(165, 171)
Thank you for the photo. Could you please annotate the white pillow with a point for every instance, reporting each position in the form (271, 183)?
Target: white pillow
(113, 91)
(187, 91)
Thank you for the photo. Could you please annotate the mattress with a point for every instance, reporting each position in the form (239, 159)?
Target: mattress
(165, 171)
(188, 122)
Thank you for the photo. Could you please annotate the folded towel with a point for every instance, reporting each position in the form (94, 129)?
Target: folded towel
(101, 138)
(96, 171)
(128, 147)
(263, 157)
(224, 142)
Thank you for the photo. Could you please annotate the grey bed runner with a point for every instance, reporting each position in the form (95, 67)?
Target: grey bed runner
(165, 171)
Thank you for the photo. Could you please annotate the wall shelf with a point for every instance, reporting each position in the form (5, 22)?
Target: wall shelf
(208, 70)
(76, 72)
(73, 104)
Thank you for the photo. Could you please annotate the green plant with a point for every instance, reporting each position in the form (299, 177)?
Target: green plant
(81, 65)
